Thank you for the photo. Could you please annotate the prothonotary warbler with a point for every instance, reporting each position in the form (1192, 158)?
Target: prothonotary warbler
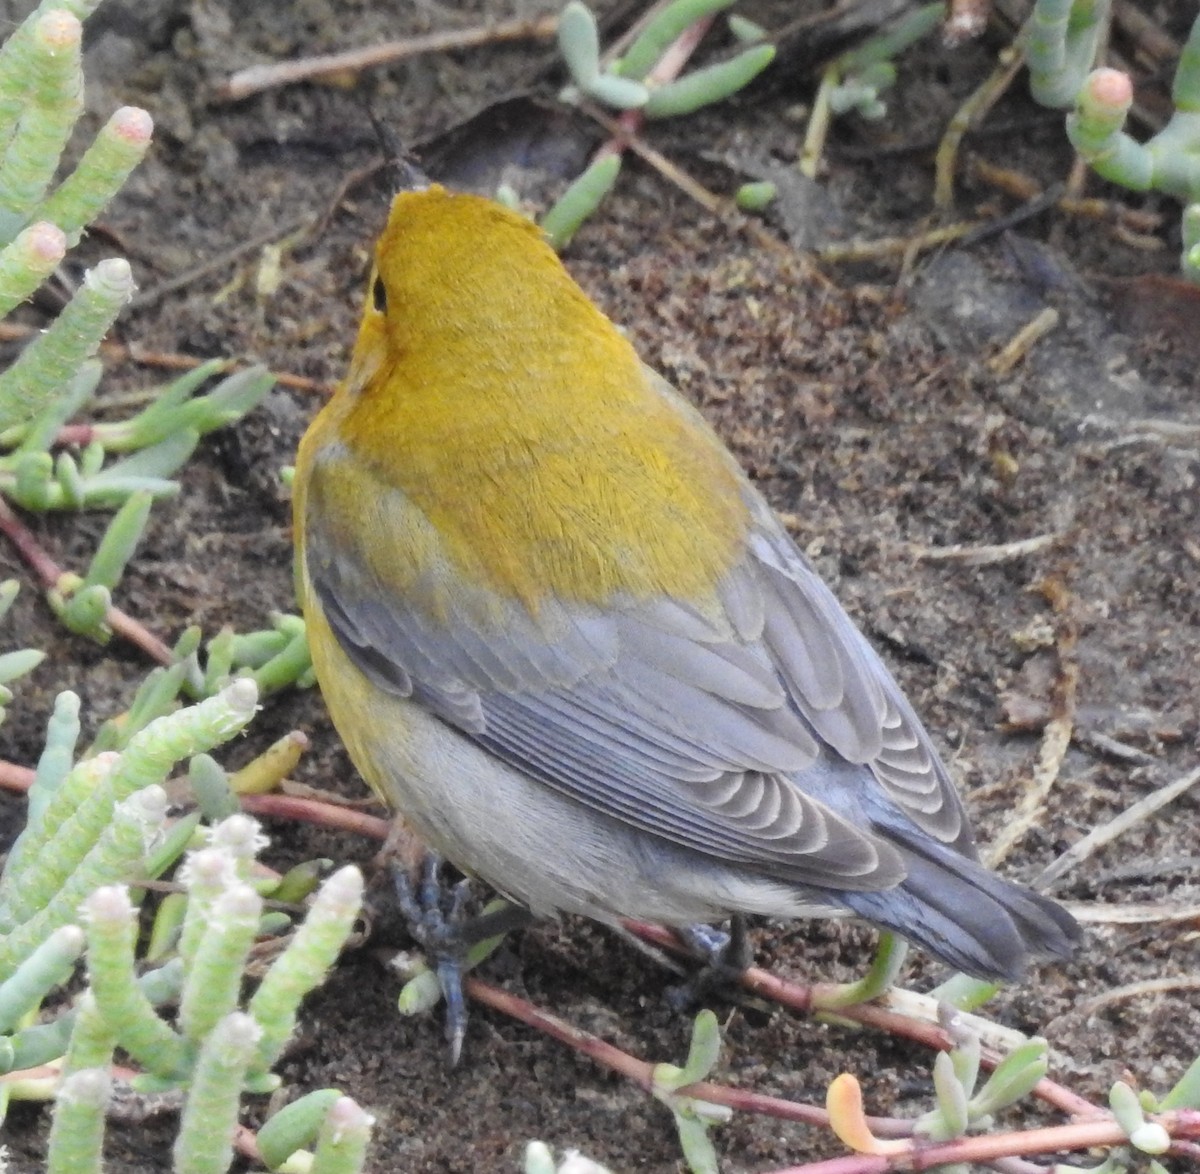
(569, 642)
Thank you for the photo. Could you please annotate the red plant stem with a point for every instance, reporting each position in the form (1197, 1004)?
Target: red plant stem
(807, 998)
(326, 815)
(1079, 1135)
(123, 624)
(592, 1046)
(667, 68)
(50, 573)
(1100, 1130)
(670, 65)
(27, 546)
(15, 778)
(42, 1071)
(245, 1141)
(79, 435)
(641, 1072)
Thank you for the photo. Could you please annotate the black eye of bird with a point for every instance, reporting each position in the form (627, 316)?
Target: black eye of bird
(379, 295)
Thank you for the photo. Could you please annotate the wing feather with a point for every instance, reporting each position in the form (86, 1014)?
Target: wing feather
(695, 724)
(870, 721)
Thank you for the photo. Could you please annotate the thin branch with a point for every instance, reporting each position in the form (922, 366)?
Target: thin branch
(1082, 1135)
(1137, 990)
(968, 116)
(894, 246)
(641, 1072)
(285, 73)
(1106, 833)
(325, 815)
(1136, 914)
(1021, 343)
(625, 138)
(165, 360)
(984, 555)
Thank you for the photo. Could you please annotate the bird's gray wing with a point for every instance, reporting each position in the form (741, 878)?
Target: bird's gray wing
(696, 726)
(841, 686)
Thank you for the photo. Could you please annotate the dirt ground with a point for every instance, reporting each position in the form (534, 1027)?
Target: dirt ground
(863, 405)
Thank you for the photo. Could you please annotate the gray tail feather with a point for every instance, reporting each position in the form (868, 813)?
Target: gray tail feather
(965, 915)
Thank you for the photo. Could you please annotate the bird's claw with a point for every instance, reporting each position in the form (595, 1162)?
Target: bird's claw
(724, 959)
(436, 914)
(437, 918)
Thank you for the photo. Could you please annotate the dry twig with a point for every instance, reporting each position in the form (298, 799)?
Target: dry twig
(331, 65)
(1138, 990)
(1130, 817)
(893, 246)
(984, 555)
(156, 293)
(1021, 343)
(969, 115)
(1138, 914)
(119, 352)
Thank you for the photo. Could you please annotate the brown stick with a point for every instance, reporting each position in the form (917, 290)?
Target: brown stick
(285, 73)
(166, 360)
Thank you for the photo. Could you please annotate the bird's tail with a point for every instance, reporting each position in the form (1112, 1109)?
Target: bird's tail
(965, 915)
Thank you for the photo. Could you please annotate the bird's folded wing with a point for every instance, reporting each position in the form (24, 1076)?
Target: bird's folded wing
(687, 727)
(843, 688)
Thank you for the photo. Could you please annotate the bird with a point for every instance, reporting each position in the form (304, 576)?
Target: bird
(563, 635)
